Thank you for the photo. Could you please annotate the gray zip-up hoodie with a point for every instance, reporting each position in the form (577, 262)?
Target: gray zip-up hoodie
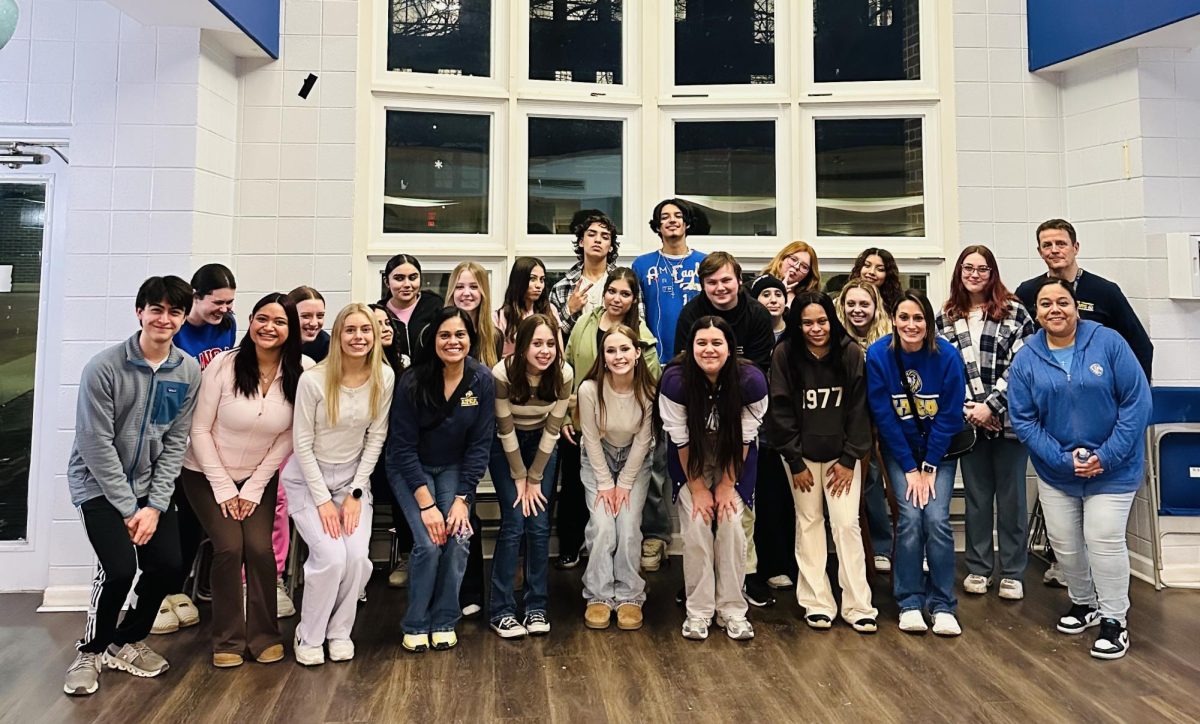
(131, 427)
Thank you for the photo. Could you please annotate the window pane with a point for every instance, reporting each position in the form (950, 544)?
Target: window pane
(573, 165)
(869, 177)
(864, 40)
(727, 169)
(22, 223)
(436, 173)
(724, 42)
(451, 37)
(575, 40)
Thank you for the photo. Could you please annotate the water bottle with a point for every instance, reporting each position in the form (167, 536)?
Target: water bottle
(1083, 455)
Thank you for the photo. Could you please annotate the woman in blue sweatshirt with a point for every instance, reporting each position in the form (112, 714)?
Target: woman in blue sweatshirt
(1080, 402)
(913, 448)
(439, 436)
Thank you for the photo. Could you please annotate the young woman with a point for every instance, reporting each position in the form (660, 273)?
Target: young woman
(988, 325)
(339, 429)
(860, 310)
(409, 308)
(878, 267)
(310, 305)
(441, 431)
(616, 410)
(1079, 399)
(533, 390)
(526, 294)
(711, 398)
(796, 266)
(818, 421)
(914, 362)
(241, 433)
(771, 292)
(209, 329)
(380, 488)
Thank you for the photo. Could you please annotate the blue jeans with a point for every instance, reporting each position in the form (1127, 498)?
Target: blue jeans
(879, 520)
(434, 572)
(924, 533)
(514, 525)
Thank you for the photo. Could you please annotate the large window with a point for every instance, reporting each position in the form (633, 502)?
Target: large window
(866, 40)
(870, 179)
(573, 165)
(719, 42)
(575, 41)
(450, 37)
(727, 170)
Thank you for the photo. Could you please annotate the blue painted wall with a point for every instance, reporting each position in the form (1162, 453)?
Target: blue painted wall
(1062, 29)
(258, 19)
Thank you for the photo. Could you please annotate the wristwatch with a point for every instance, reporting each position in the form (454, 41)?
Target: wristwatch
(927, 468)
(356, 493)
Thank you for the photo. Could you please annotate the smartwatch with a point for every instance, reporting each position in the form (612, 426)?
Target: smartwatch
(356, 493)
(927, 468)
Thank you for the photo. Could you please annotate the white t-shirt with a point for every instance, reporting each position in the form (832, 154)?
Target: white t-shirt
(975, 326)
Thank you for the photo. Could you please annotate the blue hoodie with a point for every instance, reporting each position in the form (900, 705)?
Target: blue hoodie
(1103, 405)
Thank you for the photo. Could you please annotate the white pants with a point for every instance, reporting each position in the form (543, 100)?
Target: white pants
(336, 569)
(714, 566)
(812, 586)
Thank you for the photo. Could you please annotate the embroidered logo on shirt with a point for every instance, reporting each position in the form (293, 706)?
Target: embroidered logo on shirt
(1097, 370)
(469, 400)
(914, 380)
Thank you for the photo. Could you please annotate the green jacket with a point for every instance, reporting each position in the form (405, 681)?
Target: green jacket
(581, 347)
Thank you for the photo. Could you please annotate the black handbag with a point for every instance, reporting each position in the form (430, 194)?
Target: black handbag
(962, 442)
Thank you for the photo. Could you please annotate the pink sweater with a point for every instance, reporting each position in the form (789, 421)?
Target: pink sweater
(236, 438)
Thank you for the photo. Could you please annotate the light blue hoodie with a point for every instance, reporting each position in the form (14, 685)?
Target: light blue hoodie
(1103, 405)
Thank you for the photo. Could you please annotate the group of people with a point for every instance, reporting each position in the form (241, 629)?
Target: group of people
(755, 410)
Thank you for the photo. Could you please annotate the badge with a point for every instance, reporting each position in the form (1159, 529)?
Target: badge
(1096, 369)
(469, 400)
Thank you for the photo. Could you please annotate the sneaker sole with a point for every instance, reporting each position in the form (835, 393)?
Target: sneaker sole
(114, 662)
(915, 631)
(1076, 631)
(509, 635)
(695, 636)
(1107, 656)
(341, 658)
(320, 662)
(1011, 596)
(81, 691)
(539, 632)
(866, 630)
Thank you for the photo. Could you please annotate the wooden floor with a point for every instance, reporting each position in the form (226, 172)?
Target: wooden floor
(1009, 666)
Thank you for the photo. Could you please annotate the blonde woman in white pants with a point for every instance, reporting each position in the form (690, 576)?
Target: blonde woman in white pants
(339, 428)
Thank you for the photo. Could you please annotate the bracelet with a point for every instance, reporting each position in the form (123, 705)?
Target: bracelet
(428, 507)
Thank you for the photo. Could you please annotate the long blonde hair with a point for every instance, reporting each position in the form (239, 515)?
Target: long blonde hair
(485, 326)
(812, 281)
(881, 326)
(333, 363)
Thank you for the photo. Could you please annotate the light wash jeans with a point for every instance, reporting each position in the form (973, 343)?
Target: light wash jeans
(434, 572)
(1088, 535)
(613, 574)
(994, 479)
(924, 533)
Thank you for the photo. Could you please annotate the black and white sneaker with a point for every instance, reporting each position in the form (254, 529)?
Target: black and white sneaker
(757, 592)
(1113, 641)
(567, 561)
(536, 623)
(1079, 619)
(508, 628)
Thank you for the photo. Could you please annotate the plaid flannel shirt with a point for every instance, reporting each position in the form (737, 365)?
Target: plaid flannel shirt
(987, 364)
(561, 292)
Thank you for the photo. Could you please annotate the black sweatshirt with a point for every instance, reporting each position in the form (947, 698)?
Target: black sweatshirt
(826, 420)
(1100, 301)
(751, 322)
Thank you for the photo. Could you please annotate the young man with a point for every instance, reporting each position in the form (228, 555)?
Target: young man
(581, 290)
(669, 280)
(132, 422)
(721, 278)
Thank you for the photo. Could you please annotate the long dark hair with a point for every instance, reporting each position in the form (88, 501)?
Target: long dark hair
(916, 296)
(996, 295)
(891, 289)
(702, 398)
(385, 292)
(797, 346)
(391, 353)
(517, 366)
(245, 362)
(514, 296)
(632, 317)
(427, 384)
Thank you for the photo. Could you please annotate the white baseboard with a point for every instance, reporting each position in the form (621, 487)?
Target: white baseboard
(65, 598)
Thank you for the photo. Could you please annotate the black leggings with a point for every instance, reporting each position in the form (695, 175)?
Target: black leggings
(191, 533)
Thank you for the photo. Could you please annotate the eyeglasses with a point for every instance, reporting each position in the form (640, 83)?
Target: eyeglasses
(796, 262)
(971, 269)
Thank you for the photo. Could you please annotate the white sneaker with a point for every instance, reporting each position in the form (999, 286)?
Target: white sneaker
(976, 584)
(883, 564)
(946, 624)
(166, 621)
(695, 628)
(308, 655)
(1011, 589)
(654, 552)
(283, 602)
(341, 649)
(911, 621)
(780, 582)
(1054, 576)
(736, 627)
(471, 609)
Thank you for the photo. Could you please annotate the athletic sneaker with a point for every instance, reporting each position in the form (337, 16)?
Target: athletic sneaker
(136, 658)
(341, 649)
(536, 623)
(654, 552)
(398, 578)
(416, 643)
(1078, 619)
(818, 621)
(283, 602)
(780, 582)
(736, 627)
(946, 624)
(756, 592)
(83, 676)
(471, 609)
(977, 584)
(567, 561)
(509, 628)
(865, 625)
(1011, 589)
(1054, 576)
(166, 621)
(695, 628)
(883, 564)
(444, 640)
(1113, 641)
(912, 621)
(308, 655)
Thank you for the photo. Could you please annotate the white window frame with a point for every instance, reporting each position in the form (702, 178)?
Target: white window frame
(457, 243)
(553, 244)
(933, 244)
(926, 88)
(748, 246)
(492, 86)
(496, 267)
(629, 90)
(779, 91)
